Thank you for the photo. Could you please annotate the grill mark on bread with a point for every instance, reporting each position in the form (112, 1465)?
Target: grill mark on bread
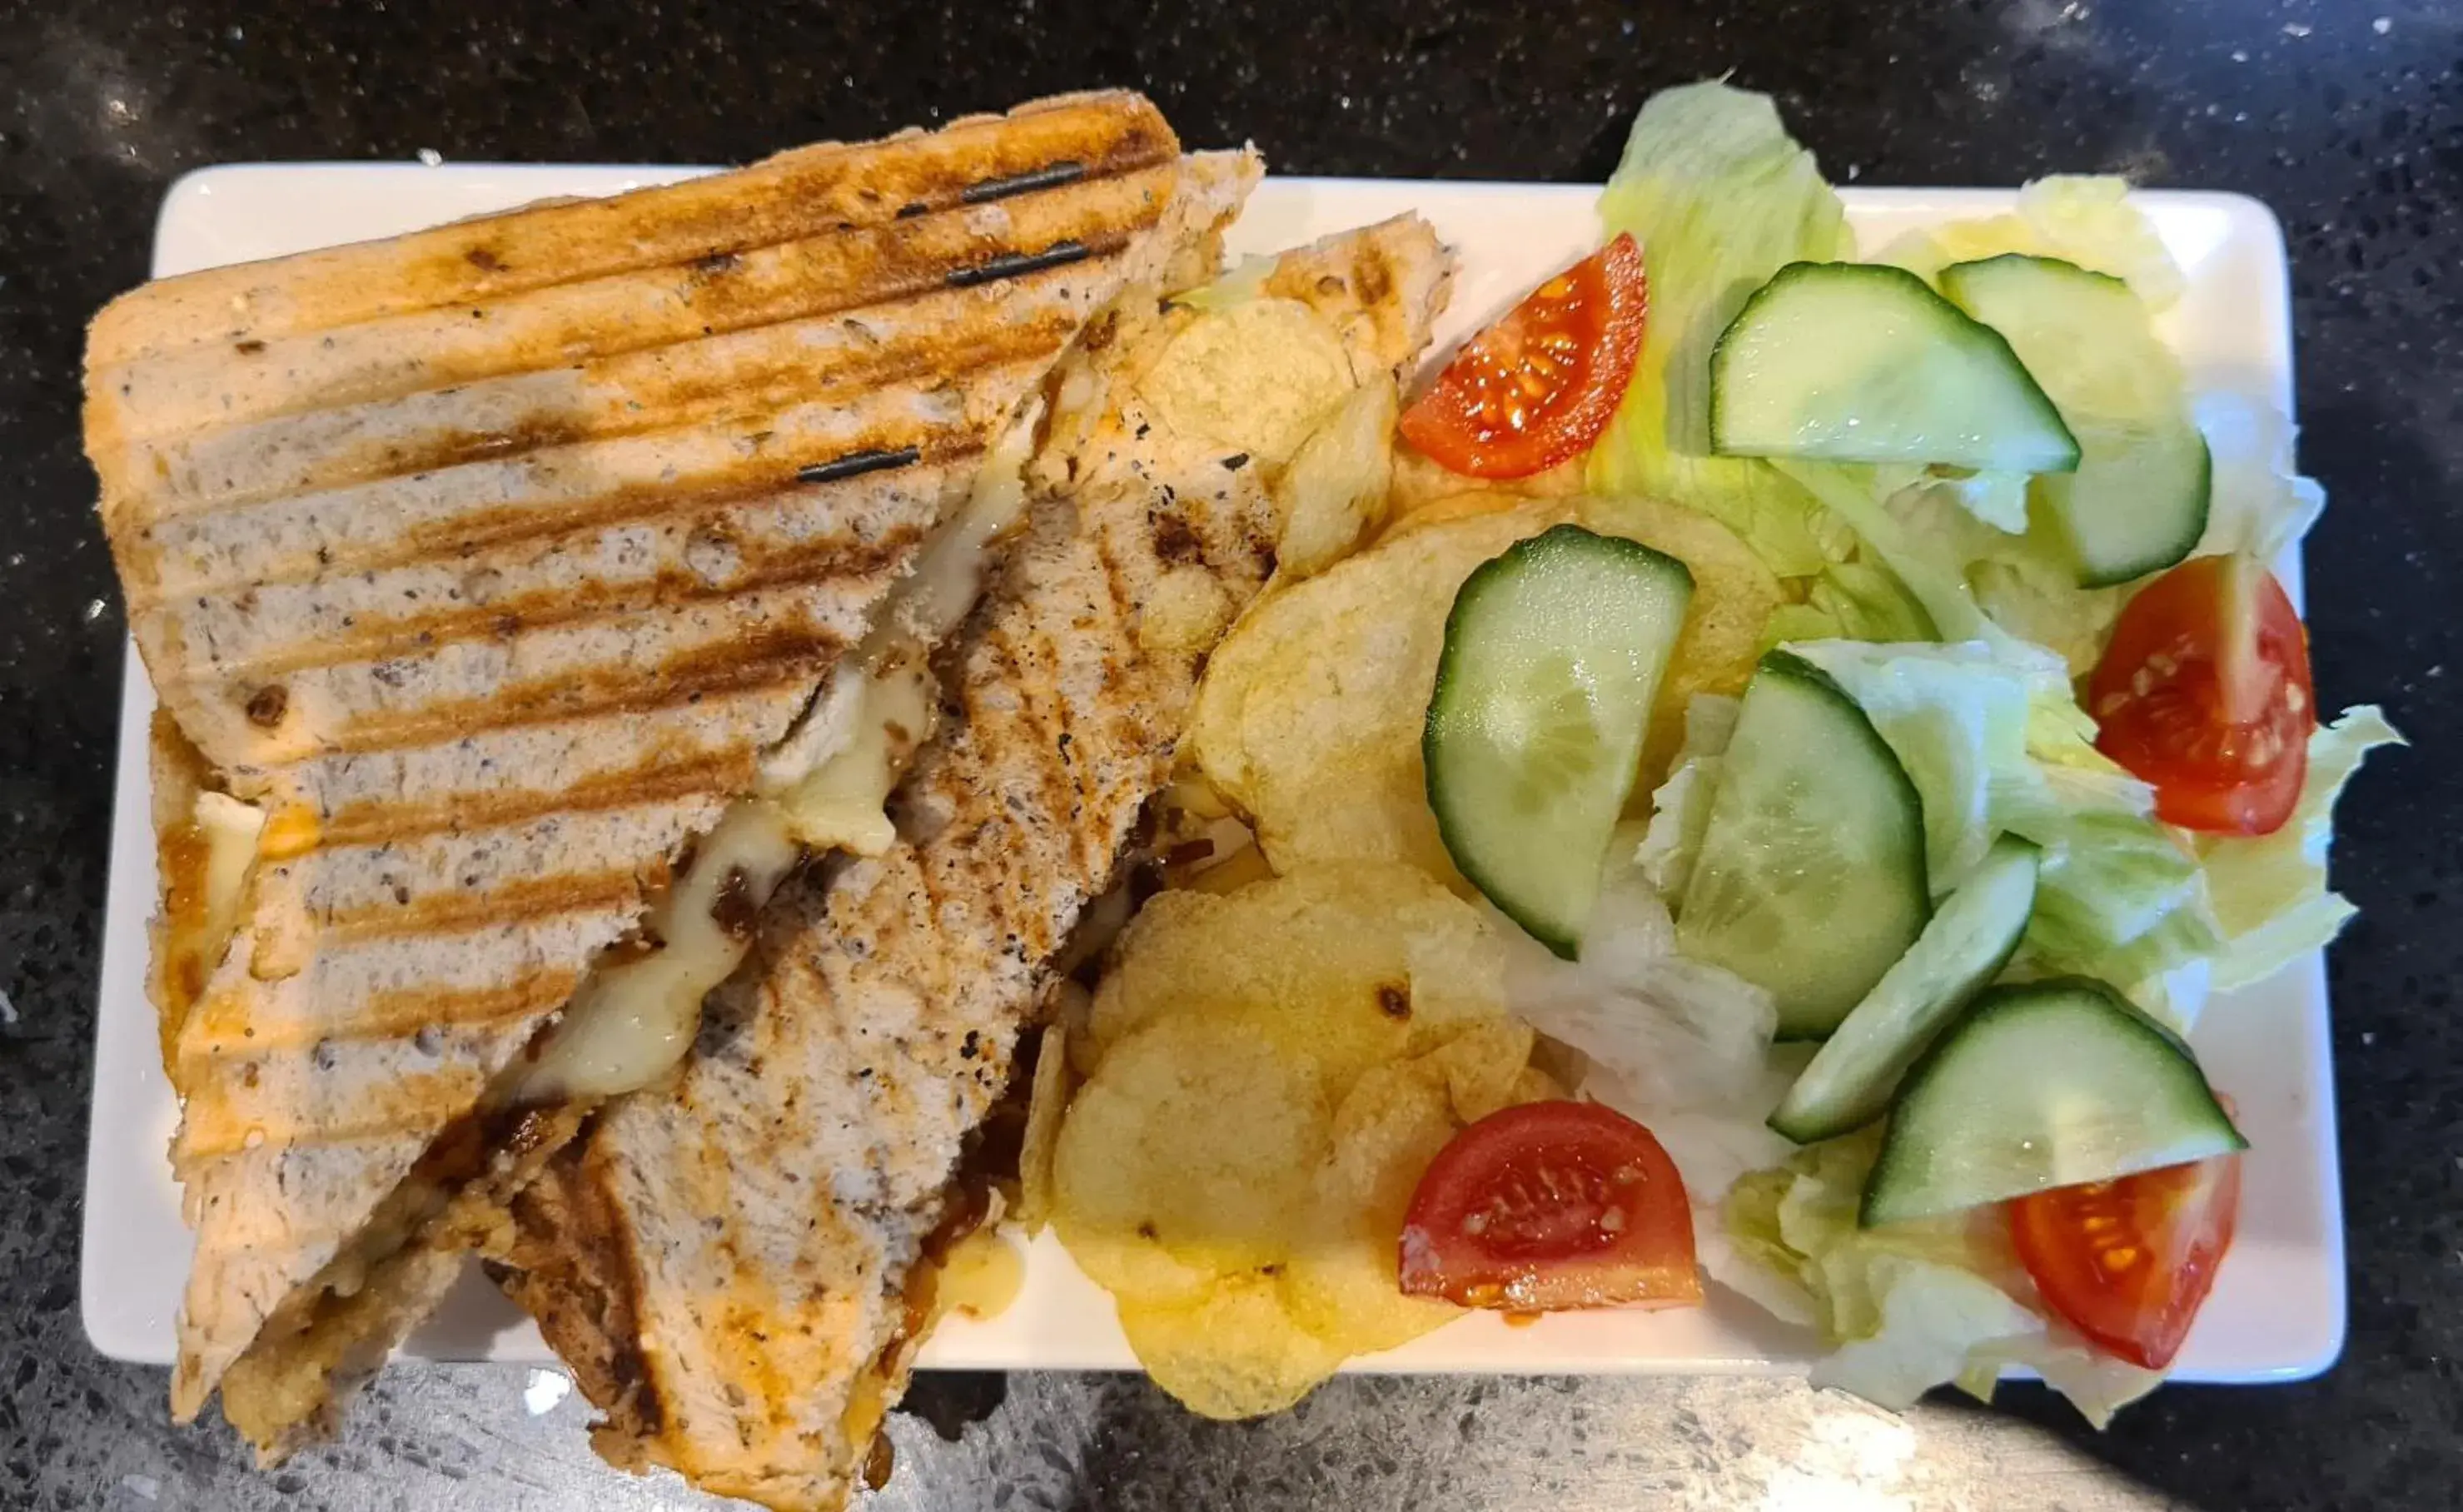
(660, 779)
(1051, 176)
(1018, 263)
(603, 400)
(463, 534)
(220, 1034)
(793, 195)
(855, 463)
(229, 1124)
(774, 657)
(521, 900)
(397, 358)
(381, 638)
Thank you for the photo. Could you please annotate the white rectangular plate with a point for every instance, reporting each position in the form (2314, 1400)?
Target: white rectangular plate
(2278, 1308)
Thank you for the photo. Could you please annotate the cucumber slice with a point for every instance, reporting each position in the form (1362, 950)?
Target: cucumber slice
(1861, 362)
(2138, 502)
(1972, 936)
(1553, 656)
(1810, 877)
(2052, 1083)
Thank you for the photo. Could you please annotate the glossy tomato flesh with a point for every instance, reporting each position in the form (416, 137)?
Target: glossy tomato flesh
(1550, 1205)
(2128, 1262)
(2163, 712)
(1541, 385)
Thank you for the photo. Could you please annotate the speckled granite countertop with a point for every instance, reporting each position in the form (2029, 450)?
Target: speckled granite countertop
(2347, 119)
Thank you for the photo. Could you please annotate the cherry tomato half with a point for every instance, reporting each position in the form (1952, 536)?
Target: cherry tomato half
(1550, 1205)
(2163, 711)
(1541, 384)
(2128, 1262)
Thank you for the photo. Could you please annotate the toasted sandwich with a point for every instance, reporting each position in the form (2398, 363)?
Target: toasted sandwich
(526, 597)
(738, 1261)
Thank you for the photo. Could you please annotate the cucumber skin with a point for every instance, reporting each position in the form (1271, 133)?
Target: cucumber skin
(2157, 562)
(2000, 999)
(1955, 280)
(1790, 664)
(1787, 664)
(1794, 269)
(1959, 272)
(1806, 1129)
(1514, 558)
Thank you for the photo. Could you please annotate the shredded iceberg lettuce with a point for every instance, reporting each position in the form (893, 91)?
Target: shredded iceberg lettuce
(1673, 1032)
(1680, 807)
(1994, 740)
(2080, 219)
(1681, 1046)
(1931, 1320)
(1931, 575)
(1858, 601)
(1997, 499)
(2270, 892)
(1905, 1307)
(2257, 504)
(2099, 1385)
(1721, 198)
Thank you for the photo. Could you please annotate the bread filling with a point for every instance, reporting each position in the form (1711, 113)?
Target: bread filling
(824, 788)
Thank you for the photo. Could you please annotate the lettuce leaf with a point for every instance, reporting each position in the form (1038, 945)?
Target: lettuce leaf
(1714, 1146)
(1903, 1308)
(2258, 504)
(1994, 740)
(1925, 564)
(1673, 1032)
(2097, 1384)
(1681, 1046)
(1721, 198)
(1933, 1319)
(1680, 807)
(2080, 219)
(1997, 499)
(2270, 891)
(1863, 600)
(2038, 599)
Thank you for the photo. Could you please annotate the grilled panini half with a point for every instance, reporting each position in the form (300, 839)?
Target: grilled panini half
(737, 1267)
(478, 569)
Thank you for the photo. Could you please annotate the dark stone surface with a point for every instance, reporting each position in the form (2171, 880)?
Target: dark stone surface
(2347, 119)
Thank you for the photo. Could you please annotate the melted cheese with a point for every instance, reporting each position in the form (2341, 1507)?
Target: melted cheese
(824, 787)
(633, 1019)
(839, 804)
(836, 770)
(230, 830)
(982, 1275)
